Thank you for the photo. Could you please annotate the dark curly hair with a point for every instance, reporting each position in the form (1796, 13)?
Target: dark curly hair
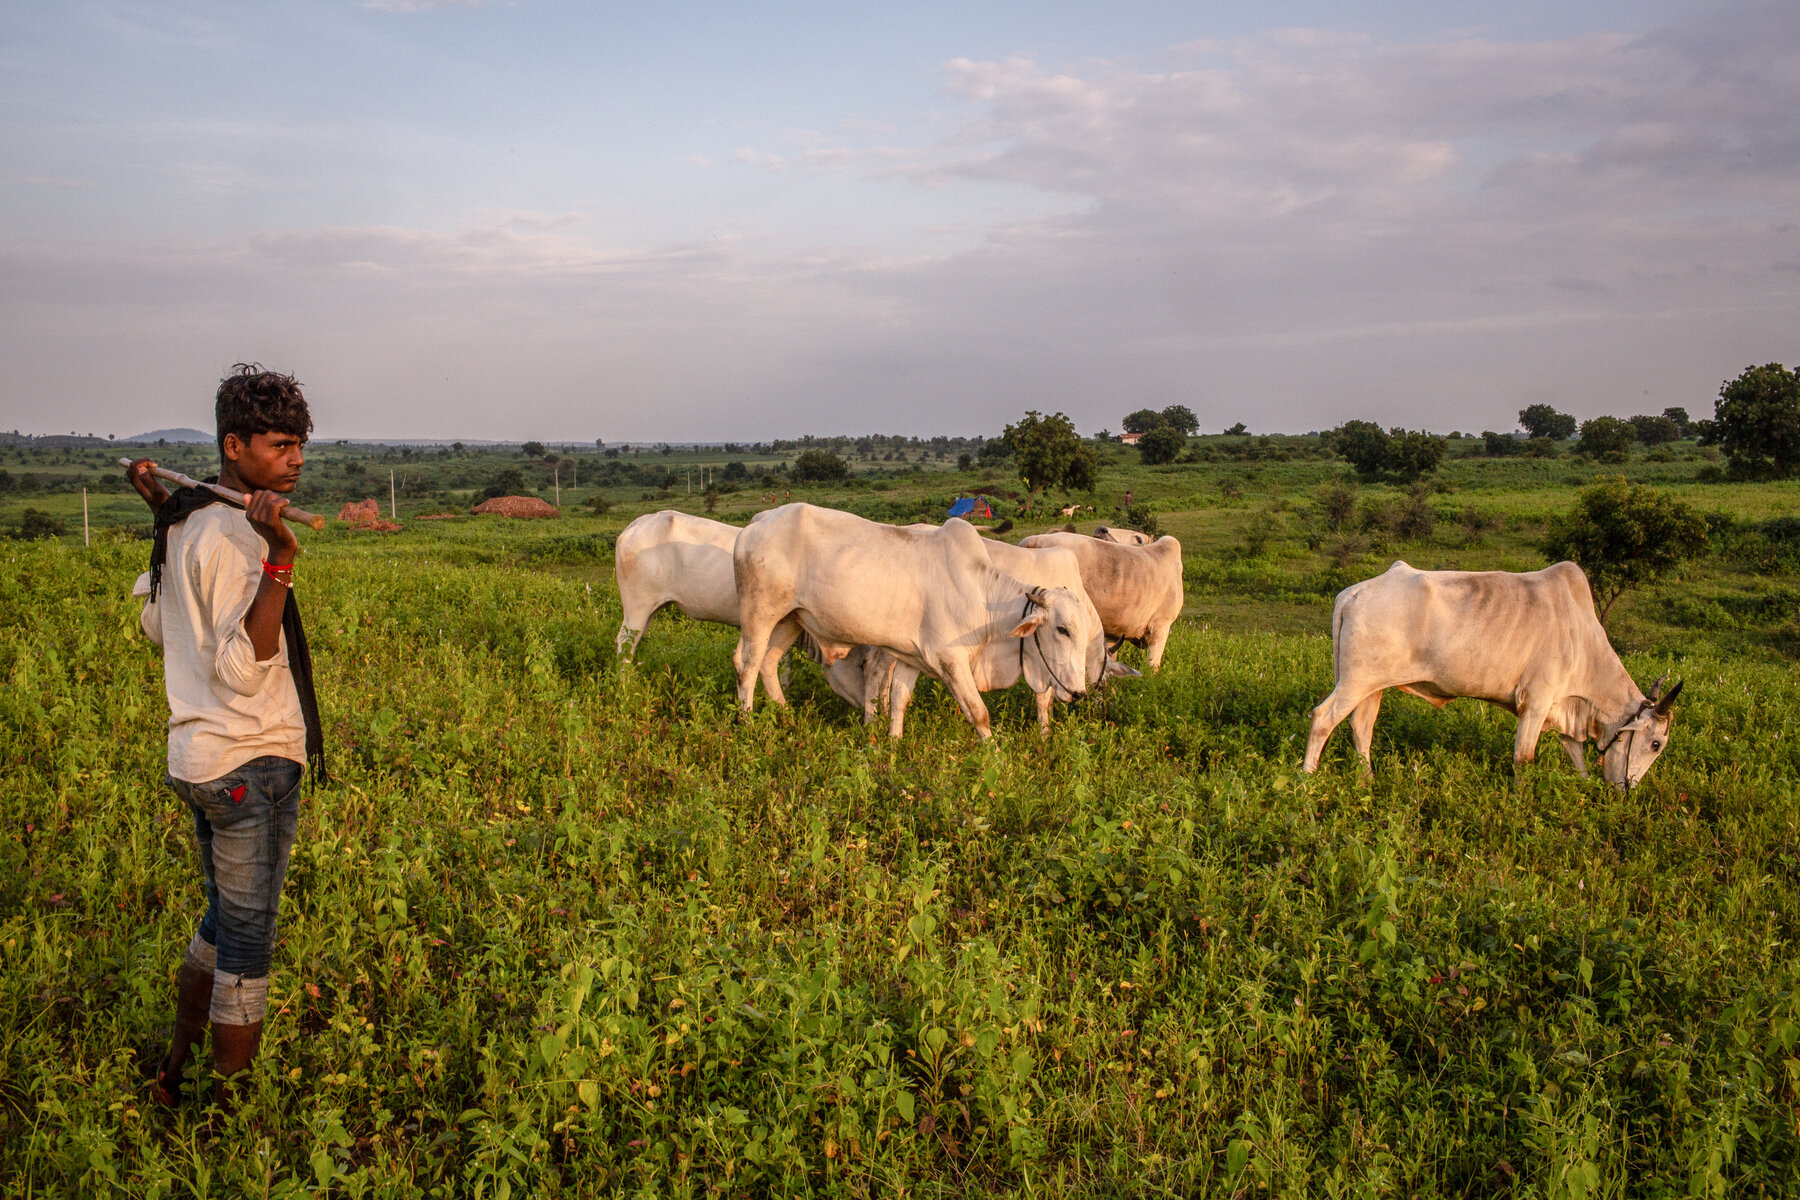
(252, 401)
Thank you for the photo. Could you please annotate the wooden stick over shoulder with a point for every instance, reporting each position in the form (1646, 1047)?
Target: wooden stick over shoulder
(298, 516)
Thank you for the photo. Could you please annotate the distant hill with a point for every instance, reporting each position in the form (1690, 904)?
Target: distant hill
(173, 435)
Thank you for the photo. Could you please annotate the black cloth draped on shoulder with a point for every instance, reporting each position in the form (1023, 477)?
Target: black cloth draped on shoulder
(176, 508)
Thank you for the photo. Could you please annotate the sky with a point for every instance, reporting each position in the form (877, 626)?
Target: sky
(680, 221)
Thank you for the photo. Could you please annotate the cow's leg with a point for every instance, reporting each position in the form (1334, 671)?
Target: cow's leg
(961, 682)
(1531, 726)
(878, 684)
(1153, 648)
(781, 639)
(900, 693)
(1045, 700)
(634, 619)
(1362, 728)
(753, 643)
(1576, 749)
(1328, 716)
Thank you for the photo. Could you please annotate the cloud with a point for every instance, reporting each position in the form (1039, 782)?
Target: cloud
(1289, 229)
(412, 6)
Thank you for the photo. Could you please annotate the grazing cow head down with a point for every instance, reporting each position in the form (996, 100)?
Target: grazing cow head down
(1124, 537)
(1640, 738)
(1059, 629)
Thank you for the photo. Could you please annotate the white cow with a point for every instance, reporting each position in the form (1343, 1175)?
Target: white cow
(670, 557)
(870, 677)
(930, 597)
(1124, 537)
(1528, 642)
(1137, 589)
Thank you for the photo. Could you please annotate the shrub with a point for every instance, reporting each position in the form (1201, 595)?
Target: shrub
(1623, 535)
(509, 481)
(1606, 439)
(1541, 447)
(35, 523)
(818, 466)
(1142, 517)
(1404, 454)
(1161, 445)
(1500, 445)
(1654, 431)
(598, 502)
(1337, 504)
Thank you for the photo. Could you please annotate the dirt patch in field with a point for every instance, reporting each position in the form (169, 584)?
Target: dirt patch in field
(366, 515)
(516, 506)
(445, 516)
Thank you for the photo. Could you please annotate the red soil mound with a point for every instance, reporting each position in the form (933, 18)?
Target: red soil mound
(517, 506)
(367, 516)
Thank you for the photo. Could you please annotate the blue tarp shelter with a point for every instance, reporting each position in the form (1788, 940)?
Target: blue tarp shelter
(971, 506)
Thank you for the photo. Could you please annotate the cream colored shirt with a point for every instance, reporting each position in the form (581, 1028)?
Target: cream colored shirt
(225, 708)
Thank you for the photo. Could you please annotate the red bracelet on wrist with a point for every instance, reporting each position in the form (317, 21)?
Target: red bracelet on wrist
(282, 573)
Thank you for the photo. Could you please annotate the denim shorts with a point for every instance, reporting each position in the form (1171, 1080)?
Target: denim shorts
(244, 822)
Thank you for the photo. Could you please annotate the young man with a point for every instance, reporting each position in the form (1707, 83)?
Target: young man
(242, 721)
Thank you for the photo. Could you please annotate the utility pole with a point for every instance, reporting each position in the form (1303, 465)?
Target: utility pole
(393, 506)
(556, 477)
(84, 520)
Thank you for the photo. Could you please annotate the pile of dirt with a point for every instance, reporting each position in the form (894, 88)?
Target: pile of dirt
(366, 516)
(516, 506)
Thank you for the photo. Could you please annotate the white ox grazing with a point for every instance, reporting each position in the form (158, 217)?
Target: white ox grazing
(869, 676)
(930, 597)
(669, 557)
(1529, 643)
(1137, 589)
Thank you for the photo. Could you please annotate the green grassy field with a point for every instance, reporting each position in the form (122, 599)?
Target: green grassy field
(558, 928)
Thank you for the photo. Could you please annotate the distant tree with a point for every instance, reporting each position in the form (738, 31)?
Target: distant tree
(508, 481)
(964, 462)
(1541, 420)
(1362, 444)
(1412, 453)
(1180, 416)
(598, 502)
(1051, 454)
(1161, 445)
(818, 466)
(1756, 422)
(35, 523)
(1141, 421)
(735, 472)
(1541, 447)
(665, 449)
(1499, 445)
(1624, 535)
(1238, 430)
(1105, 435)
(1606, 439)
(1404, 454)
(995, 451)
(599, 443)
(532, 449)
(1655, 431)
(457, 446)
(1682, 421)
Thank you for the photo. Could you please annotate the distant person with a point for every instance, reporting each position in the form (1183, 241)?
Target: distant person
(1127, 498)
(243, 721)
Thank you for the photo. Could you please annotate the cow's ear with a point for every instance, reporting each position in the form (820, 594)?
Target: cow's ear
(1116, 668)
(1030, 624)
(1663, 705)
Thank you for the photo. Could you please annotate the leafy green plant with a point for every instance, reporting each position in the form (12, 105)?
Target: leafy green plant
(1624, 535)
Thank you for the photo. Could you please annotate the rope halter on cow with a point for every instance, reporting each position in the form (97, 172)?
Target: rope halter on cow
(1042, 657)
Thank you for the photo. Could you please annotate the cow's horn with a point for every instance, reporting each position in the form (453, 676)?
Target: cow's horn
(1656, 688)
(1663, 705)
(1039, 597)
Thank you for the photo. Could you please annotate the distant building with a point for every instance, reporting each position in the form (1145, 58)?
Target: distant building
(1130, 439)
